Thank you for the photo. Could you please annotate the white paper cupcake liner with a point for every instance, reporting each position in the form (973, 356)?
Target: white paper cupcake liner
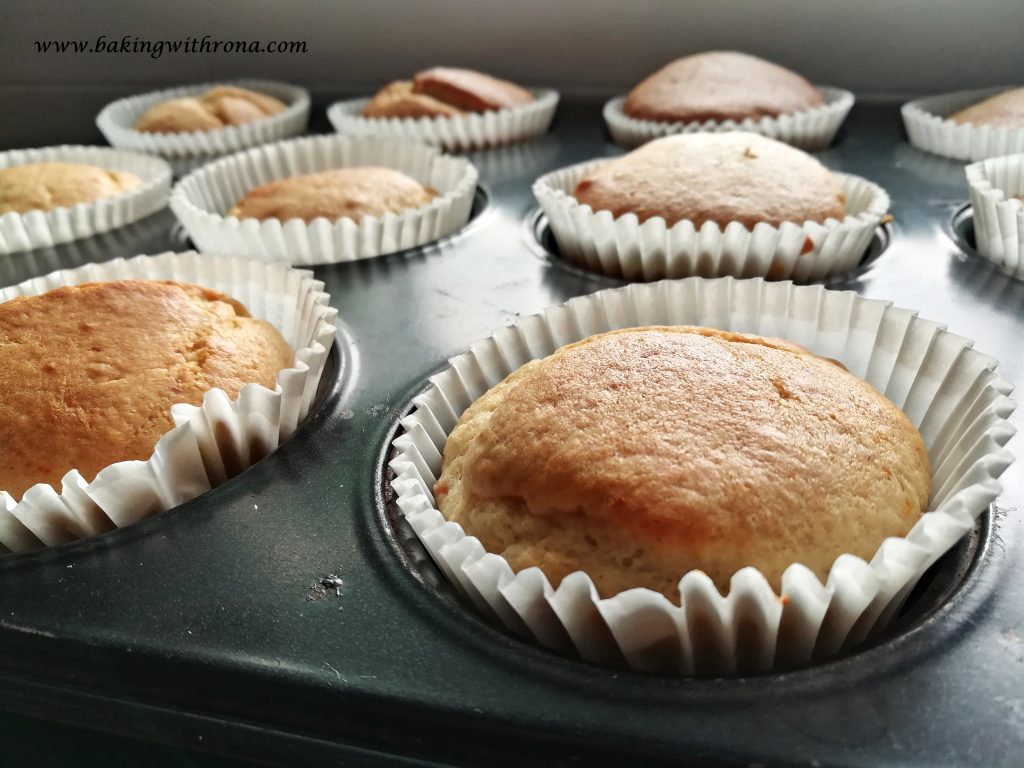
(928, 128)
(947, 389)
(998, 216)
(117, 122)
(210, 443)
(42, 229)
(809, 129)
(202, 199)
(624, 247)
(461, 132)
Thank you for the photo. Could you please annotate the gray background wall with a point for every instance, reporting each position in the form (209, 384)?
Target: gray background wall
(890, 46)
(893, 47)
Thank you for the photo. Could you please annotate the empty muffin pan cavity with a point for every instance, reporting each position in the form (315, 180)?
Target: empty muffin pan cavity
(961, 228)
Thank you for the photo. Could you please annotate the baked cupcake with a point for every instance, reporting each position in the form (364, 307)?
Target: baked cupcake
(95, 368)
(967, 125)
(454, 108)
(688, 500)
(720, 85)
(350, 193)
(715, 177)
(639, 455)
(726, 90)
(54, 195)
(712, 204)
(193, 124)
(215, 109)
(1004, 109)
(325, 199)
(44, 186)
(445, 91)
(162, 365)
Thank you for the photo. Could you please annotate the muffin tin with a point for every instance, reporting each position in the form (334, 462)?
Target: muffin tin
(220, 626)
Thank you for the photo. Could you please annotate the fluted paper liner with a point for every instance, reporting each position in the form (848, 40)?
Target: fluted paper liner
(210, 443)
(813, 128)
(946, 388)
(117, 122)
(624, 247)
(998, 217)
(42, 229)
(475, 130)
(929, 129)
(201, 201)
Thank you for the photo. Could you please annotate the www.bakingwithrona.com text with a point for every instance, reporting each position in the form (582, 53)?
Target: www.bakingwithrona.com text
(157, 48)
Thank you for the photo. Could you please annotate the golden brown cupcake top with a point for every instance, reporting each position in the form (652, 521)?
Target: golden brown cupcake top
(342, 193)
(720, 85)
(718, 177)
(44, 186)
(1005, 109)
(216, 108)
(89, 372)
(641, 454)
(446, 91)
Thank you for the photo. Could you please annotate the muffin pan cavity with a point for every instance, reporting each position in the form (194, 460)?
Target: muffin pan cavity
(961, 228)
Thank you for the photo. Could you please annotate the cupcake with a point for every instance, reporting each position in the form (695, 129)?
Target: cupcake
(326, 199)
(711, 204)
(45, 186)
(1003, 109)
(968, 125)
(638, 455)
(682, 477)
(726, 90)
(445, 91)
(195, 123)
(55, 195)
(720, 86)
(144, 383)
(455, 108)
(350, 193)
(214, 109)
(96, 368)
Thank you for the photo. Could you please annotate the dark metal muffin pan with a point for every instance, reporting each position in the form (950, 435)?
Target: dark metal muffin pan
(219, 628)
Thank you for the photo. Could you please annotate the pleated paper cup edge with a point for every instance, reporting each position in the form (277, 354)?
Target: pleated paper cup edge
(409, 484)
(322, 324)
(553, 190)
(289, 122)
(346, 119)
(928, 129)
(632, 132)
(986, 200)
(146, 199)
(198, 219)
